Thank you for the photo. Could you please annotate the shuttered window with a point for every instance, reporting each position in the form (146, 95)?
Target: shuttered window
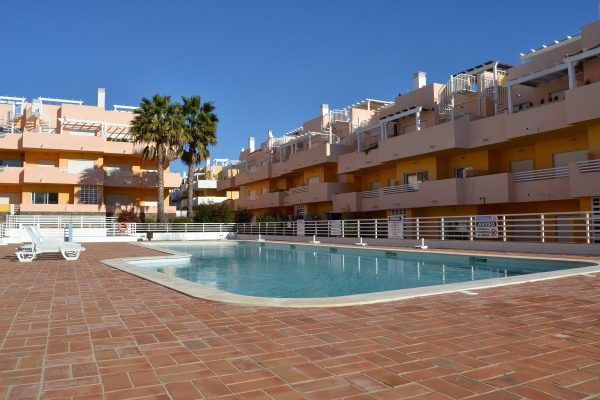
(88, 194)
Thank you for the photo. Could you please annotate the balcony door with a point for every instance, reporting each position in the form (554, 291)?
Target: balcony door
(566, 158)
(414, 178)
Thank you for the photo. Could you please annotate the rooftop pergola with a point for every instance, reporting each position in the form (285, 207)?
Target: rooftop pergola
(381, 125)
(109, 130)
(567, 69)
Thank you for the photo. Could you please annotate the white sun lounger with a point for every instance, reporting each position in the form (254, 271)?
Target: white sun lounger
(40, 244)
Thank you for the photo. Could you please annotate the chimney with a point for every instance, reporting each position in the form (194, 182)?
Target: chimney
(101, 98)
(324, 109)
(251, 144)
(419, 80)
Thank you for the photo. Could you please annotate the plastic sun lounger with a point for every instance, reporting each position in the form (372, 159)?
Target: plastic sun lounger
(69, 250)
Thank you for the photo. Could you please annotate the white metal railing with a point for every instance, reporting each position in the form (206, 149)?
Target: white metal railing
(299, 189)
(339, 115)
(59, 221)
(565, 227)
(369, 194)
(388, 190)
(539, 174)
(588, 166)
(574, 227)
(136, 227)
(409, 187)
(464, 83)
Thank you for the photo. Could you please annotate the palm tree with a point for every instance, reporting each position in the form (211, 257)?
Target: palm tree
(200, 132)
(159, 125)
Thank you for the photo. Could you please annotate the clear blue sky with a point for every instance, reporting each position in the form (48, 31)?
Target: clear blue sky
(265, 64)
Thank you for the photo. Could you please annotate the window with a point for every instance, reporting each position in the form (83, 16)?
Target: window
(521, 165)
(117, 169)
(462, 172)
(415, 177)
(11, 163)
(375, 185)
(252, 195)
(313, 180)
(566, 158)
(117, 200)
(399, 211)
(299, 211)
(150, 201)
(79, 166)
(263, 190)
(44, 198)
(88, 194)
(46, 163)
(392, 182)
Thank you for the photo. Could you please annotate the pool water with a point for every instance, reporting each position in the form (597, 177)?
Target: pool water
(300, 271)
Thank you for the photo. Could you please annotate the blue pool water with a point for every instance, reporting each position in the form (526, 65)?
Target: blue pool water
(300, 271)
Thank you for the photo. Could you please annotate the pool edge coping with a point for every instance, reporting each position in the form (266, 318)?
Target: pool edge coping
(205, 292)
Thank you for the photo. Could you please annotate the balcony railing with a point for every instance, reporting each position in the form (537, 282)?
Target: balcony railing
(299, 189)
(409, 187)
(539, 174)
(588, 166)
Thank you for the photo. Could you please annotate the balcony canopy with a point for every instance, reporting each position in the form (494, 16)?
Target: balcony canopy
(558, 71)
(486, 66)
(370, 104)
(535, 79)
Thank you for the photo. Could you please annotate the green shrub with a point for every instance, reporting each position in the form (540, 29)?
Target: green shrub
(213, 213)
(242, 216)
(269, 216)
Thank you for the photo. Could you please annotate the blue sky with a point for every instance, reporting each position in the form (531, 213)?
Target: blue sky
(265, 64)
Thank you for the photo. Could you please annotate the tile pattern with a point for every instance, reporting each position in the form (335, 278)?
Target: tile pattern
(82, 330)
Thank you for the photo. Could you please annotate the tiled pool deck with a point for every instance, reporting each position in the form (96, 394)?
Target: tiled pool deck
(84, 330)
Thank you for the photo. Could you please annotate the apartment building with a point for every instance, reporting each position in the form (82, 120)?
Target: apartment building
(494, 138)
(61, 156)
(296, 174)
(205, 184)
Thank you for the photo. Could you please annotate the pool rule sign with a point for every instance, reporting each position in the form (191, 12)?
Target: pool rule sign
(395, 227)
(486, 226)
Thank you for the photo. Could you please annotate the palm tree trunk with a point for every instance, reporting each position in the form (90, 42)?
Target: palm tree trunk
(190, 187)
(160, 184)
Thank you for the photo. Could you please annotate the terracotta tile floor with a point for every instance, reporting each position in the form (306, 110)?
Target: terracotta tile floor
(85, 331)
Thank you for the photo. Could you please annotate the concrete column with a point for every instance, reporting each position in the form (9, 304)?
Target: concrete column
(572, 77)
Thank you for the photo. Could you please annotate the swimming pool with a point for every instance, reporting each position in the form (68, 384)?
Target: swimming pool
(294, 271)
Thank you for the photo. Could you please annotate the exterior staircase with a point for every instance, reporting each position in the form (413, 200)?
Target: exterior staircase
(483, 85)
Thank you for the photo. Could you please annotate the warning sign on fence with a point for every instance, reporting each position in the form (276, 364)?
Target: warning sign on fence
(486, 226)
(395, 227)
(300, 227)
(335, 227)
